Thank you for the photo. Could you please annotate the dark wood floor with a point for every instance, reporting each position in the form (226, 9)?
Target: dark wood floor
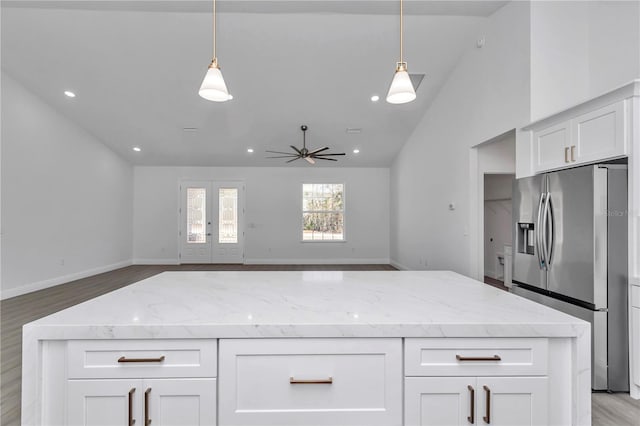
(608, 409)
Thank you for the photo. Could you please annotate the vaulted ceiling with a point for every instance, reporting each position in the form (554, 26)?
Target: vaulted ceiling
(136, 67)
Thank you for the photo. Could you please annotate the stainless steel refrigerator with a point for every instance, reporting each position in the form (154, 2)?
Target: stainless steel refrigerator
(570, 253)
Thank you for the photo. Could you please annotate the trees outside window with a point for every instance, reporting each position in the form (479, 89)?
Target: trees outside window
(323, 212)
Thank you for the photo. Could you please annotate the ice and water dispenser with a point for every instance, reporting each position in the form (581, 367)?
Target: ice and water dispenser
(526, 238)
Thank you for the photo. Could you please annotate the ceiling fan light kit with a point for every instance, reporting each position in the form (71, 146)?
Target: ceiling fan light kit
(213, 87)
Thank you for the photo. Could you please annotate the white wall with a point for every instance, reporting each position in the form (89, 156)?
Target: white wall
(486, 95)
(497, 219)
(273, 213)
(581, 49)
(66, 198)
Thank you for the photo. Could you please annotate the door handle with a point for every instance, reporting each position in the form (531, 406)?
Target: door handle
(551, 236)
(573, 149)
(539, 233)
(566, 154)
(546, 225)
(147, 419)
(131, 421)
(487, 409)
(472, 406)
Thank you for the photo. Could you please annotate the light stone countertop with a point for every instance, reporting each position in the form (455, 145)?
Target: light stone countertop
(306, 304)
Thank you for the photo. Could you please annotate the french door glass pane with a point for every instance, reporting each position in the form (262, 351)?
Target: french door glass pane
(228, 222)
(196, 215)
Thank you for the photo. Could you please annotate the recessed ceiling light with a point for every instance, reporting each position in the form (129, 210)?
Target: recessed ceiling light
(375, 98)
(356, 151)
(250, 150)
(137, 149)
(69, 94)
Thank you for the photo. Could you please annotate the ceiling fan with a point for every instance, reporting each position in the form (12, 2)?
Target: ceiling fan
(309, 156)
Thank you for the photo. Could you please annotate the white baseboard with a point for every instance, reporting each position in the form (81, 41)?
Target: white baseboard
(52, 282)
(156, 261)
(399, 265)
(316, 261)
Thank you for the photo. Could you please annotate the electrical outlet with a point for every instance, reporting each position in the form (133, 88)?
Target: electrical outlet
(61, 262)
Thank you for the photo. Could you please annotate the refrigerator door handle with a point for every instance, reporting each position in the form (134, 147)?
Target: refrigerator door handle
(548, 230)
(541, 263)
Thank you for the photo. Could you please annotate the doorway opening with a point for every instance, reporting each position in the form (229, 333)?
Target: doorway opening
(211, 222)
(497, 228)
(495, 156)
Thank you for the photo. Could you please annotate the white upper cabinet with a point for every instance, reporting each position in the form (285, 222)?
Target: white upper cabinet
(595, 136)
(600, 129)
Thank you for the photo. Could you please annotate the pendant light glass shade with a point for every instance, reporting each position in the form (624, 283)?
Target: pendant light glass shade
(401, 90)
(213, 87)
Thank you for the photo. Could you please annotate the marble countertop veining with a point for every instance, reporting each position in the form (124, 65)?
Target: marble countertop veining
(306, 304)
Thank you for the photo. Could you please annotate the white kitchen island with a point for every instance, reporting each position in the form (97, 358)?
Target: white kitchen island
(307, 348)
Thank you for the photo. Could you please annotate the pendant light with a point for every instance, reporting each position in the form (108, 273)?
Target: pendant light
(401, 90)
(213, 87)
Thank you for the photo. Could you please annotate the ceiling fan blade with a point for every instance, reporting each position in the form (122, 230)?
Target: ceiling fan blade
(319, 150)
(297, 157)
(285, 156)
(324, 155)
(280, 152)
(309, 160)
(296, 149)
(328, 159)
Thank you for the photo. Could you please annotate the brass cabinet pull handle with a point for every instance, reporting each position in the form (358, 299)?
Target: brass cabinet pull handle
(295, 381)
(487, 418)
(132, 421)
(125, 359)
(472, 409)
(566, 154)
(147, 420)
(573, 149)
(478, 358)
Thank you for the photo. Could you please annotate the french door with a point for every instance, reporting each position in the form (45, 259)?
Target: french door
(211, 222)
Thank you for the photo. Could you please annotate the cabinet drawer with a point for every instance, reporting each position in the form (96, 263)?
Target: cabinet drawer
(141, 358)
(310, 382)
(475, 357)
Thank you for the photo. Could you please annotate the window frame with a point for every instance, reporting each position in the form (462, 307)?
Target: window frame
(344, 211)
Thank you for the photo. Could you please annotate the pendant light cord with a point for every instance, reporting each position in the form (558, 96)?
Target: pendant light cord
(214, 29)
(401, 32)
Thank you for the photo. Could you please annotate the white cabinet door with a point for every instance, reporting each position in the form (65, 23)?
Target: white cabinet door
(513, 401)
(161, 402)
(103, 402)
(599, 135)
(439, 401)
(499, 401)
(549, 147)
(175, 402)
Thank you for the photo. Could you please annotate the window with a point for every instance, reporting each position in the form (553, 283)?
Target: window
(228, 216)
(322, 212)
(196, 215)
